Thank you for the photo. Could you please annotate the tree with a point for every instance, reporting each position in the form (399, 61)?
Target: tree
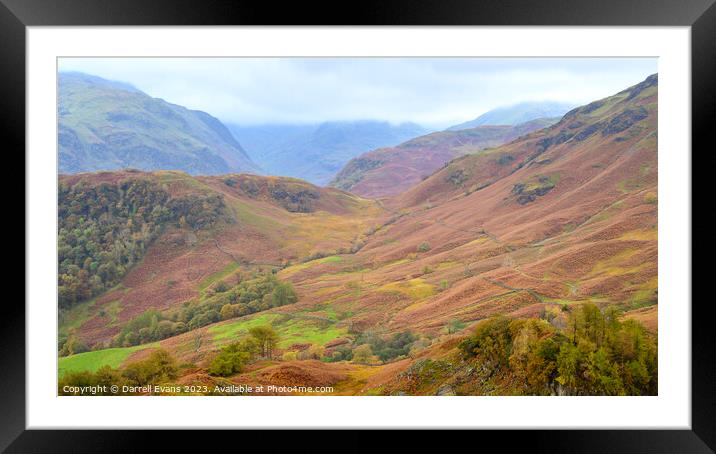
(266, 338)
(596, 353)
(363, 354)
(227, 312)
(73, 345)
(315, 351)
(160, 367)
(231, 359)
(454, 325)
(106, 228)
(283, 294)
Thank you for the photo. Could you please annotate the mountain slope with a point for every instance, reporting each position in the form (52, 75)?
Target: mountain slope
(316, 152)
(211, 227)
(515, 114)
(537, 228)
(106, 125)
(390, 171)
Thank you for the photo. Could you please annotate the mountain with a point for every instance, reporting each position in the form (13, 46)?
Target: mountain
(390, 171)
(186, 232)
(316, 152)
(107, 125)
(527, 268)
(515, 114)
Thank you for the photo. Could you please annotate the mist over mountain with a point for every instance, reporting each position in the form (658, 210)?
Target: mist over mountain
(391, 170)
(108, 125)
(317, 152)
(517, 113)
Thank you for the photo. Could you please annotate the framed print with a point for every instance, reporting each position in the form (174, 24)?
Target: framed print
(447, 217)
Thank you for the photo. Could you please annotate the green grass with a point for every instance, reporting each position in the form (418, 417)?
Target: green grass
(78, 314)
(92, 361)
(112, 310)
(301, 331)
(303, 266)
(245, 213)
(221, 274)
(74, 317)
(239, 328)
(291, 331)
(542, 181)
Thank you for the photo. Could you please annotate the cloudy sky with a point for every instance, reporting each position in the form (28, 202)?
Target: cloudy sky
(434, 92)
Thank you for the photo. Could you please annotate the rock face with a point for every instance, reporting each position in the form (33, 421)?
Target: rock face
(106, 125)
(528, 192)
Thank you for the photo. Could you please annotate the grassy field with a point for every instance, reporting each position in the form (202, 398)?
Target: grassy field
(239, 328)
(226, 271)
(304, 331)
(91, 361)
(291, 331)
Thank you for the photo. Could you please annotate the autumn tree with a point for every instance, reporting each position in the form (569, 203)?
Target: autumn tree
(363, 354)
(232, 358)
(266, 339)
(160, 367)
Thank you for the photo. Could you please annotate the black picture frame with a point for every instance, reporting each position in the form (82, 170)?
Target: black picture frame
(700, 15)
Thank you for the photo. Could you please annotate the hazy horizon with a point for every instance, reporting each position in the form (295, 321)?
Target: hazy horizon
(432, 92)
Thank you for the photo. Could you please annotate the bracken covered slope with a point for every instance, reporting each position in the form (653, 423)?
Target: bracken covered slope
(267, 222)
(316, 152)
(390, 171)
(563, 216)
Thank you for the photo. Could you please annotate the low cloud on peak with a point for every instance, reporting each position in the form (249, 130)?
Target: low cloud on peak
(429, 91)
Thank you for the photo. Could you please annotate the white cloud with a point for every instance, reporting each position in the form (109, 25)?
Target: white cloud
(430, 91)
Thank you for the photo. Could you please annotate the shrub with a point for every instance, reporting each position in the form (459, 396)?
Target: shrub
(342, 353)
(227, 312)
(424, 247)
(73, 345)
(312, 352)
(160, 367)
(363, 354)
(387, 349)
(454, 325)
(595, 354)
(221, 287)
(262, 292)
(232, 358)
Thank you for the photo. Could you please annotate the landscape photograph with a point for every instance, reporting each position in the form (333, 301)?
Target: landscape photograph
(390, 226)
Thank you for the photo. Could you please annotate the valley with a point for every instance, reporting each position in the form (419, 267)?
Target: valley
(396, 280)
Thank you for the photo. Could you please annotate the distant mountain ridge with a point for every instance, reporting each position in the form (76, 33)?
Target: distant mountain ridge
(389, 171)
(317, 152)
(108, 125)
(517, 113)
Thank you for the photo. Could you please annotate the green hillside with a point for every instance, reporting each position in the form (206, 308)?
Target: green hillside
(105, 125)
